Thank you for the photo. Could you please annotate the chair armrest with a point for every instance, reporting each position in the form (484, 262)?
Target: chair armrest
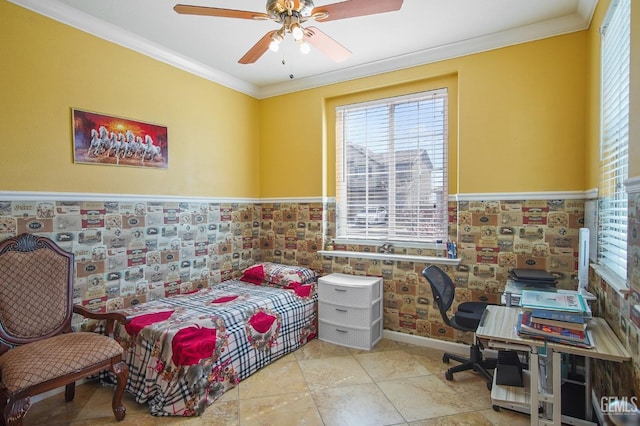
(109, 317)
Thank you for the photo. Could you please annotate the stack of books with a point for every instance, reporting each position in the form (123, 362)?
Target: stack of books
(560, 317)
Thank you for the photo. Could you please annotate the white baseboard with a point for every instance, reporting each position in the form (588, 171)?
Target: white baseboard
(442, 345)
(429, 342)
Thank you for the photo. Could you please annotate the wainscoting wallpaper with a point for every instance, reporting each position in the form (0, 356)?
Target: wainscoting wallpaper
(492, 238)
(131, 252)
(128, 252)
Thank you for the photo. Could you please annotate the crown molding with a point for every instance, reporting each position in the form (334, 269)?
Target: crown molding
(67, 15)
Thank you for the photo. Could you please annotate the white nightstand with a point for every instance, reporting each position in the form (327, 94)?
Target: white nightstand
(350, 310)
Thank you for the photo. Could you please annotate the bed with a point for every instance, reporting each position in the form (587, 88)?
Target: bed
(185, 351)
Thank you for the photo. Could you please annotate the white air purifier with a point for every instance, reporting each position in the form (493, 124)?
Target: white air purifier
(583, 264)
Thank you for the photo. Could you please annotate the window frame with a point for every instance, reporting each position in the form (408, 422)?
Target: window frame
(345, 222)
(614, 141)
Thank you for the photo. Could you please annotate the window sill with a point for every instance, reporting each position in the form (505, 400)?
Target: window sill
(388, 256)
(612, 279)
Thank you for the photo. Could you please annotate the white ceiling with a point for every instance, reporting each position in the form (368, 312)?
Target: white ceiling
(422, 31)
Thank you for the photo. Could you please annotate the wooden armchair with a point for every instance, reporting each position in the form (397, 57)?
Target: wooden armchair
(38, 350)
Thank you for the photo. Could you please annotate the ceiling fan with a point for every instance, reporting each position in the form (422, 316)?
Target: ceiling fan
(291, 14)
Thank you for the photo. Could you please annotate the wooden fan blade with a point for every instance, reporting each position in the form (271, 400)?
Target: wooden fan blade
(353, 8)
(185, 9)
(257, 50)
(326, 44)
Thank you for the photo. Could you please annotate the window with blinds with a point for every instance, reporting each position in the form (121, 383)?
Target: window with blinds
(614, 144)
(391, 177)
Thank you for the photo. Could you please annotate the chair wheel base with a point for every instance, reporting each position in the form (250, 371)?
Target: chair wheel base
(495, 407)
(445, 359)
(448, 375)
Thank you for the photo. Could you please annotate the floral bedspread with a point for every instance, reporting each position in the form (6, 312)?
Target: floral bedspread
(185, 351)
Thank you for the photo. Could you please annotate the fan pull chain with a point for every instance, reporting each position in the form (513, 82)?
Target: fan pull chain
(284, 63)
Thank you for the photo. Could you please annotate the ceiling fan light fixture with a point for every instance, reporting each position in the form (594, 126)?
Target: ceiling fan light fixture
(274, 46)
(296, 31)
(276, 39)
(305, 48)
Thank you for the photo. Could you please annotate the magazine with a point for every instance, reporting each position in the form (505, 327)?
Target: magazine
(568, 302)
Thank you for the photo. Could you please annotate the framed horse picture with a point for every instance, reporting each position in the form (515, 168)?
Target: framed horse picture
(118, 141)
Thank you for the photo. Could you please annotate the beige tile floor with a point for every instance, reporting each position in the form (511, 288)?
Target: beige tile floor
(320, 384)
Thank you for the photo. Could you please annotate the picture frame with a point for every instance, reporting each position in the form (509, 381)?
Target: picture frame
(118, 141)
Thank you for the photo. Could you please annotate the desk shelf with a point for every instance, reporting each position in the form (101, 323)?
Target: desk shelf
(512, 397)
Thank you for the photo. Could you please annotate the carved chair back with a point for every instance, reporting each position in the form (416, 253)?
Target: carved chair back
(36, 290)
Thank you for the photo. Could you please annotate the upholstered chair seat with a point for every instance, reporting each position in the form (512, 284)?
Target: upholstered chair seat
(44, 360)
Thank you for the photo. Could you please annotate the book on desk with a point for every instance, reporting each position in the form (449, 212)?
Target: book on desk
(560, 317)
(570, 320)
(571, 302)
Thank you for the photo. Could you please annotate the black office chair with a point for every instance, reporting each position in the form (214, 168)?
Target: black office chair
(466, 318)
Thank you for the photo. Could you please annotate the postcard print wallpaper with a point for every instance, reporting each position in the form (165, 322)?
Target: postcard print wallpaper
(492, 238)
(130, 252)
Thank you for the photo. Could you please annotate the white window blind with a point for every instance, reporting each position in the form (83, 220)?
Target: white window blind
(614, 145)
(391, 177)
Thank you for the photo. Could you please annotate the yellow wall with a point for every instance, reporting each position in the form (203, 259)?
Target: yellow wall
(521, 122)
(48, 68)
(520, 117)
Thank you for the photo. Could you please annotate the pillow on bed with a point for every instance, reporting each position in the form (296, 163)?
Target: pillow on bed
(277, 274)
(253, 274)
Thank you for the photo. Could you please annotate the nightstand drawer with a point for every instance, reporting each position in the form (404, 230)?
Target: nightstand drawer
(348, 315)
(349, 290)
(359, 338)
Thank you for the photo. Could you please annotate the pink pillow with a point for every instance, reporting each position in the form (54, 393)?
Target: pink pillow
(276, 274)
(252, 280)
(253, 275)
(192, 344)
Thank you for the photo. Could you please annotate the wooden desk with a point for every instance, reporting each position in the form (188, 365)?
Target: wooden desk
(498, 328)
